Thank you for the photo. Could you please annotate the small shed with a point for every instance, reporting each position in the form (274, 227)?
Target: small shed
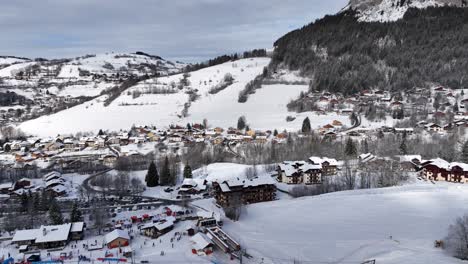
(201, 244)
(117, 238)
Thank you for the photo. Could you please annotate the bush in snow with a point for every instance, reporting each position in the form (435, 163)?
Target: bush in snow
(456, 242)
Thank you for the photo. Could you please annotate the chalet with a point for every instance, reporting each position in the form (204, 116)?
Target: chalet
(353, 134)
(330, 135)
(117, 238)
(57, 191)
(77, 231)
(439, 114)
(441, 170)
(407, 131)
(295, 172)
(363, 158)
(201, 244)
(289, 172)
(22, 183)
(231, 192)
(155, 230)
(193, 186)
(346, 111)
(175, 138)
(54, 175)
(47, 237)
(409, 162)
(329, 166)
(5, 187)
(24, 237)
(431, 127)
(336, 123)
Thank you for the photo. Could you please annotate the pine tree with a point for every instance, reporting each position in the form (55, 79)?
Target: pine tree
(464, 155)
(350, 148)
(365, 146)
(455, 107)
(275, 132)
(24, 201)
(166, 172)
(152, 176)
(75, 215)
(306, 128)
(187, 172)
(241, 123)
(55, 214)
(403, 147)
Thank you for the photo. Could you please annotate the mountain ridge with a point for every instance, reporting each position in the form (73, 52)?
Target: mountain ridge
(392, 10)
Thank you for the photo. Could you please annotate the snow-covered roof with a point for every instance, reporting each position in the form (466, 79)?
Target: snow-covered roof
(25, 235)
(440, 163)
(409, 158)
(59, 189)
(6, 185)
(245, 183)
(200, 241)
(53, 233)
(164, 225)
(117, 233)
(318, 160)
(77, 227)
(52, 175)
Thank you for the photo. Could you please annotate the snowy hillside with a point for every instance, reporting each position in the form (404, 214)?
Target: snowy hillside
(354, 226)
(392, 10)
(266, 109)
(110, 63)
(9, 60)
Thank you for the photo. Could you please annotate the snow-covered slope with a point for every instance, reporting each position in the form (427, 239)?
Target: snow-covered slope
(8, 60)
(266, 109)
(392, 10)
(394, 225)
(110, 63)
(13, 69)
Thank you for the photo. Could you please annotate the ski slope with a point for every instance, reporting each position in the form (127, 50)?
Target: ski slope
(266, 109)
(354, 226)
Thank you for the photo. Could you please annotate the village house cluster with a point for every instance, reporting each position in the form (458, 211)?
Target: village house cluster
(88, 154)
(52, 183)
(307, 172)
(441, 170)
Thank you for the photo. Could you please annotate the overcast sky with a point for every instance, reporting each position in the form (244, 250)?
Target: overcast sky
(187, 30)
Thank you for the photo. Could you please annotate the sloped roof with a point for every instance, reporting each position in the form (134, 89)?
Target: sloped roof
(200, 241)
(53, 233)
(117, 233)
(25, 235)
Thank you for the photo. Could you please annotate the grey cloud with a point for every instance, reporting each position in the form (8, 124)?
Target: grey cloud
(190, 30)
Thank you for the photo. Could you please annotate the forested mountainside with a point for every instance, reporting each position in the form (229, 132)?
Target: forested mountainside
(344, 55)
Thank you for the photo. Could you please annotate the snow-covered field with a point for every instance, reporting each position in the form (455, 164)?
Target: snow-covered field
(113, 61)
(266, 109)
(12, 70)
(354, 226)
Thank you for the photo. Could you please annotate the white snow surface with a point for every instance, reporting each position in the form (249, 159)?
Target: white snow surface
(12, 70)
(392, 10)
(266, 109)
(354, 226)
(95, 64)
